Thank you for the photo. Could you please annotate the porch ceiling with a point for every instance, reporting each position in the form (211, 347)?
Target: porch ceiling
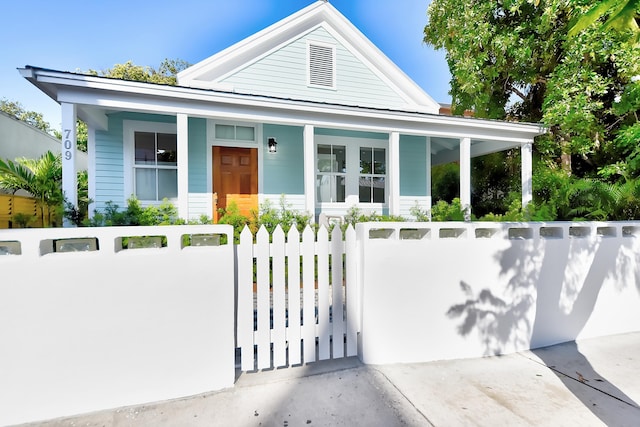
(447, 150)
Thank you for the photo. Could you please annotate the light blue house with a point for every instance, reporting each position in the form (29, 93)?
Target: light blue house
(307, 107)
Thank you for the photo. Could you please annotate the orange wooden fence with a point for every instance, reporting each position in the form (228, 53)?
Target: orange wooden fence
(16, 210)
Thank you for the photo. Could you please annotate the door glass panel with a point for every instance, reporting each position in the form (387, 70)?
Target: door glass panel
(225, 132)
(146, 184)
(340, 188)
(324, 158)
(323, 188)
(145, 148)
(245, 133)
(330, 188)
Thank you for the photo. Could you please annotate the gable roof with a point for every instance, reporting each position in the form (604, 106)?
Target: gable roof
(211, 72)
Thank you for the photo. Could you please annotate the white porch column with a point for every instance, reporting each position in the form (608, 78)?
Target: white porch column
(526, 170)
(183, 165)
(393, 173)
(91, 165)
(428, 163)
(69, 139)
(465, 176)
(309, 171)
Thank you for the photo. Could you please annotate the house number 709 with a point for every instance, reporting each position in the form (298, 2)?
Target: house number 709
(68, 153)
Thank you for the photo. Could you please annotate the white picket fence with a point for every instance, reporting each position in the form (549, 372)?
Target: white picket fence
(303, 304)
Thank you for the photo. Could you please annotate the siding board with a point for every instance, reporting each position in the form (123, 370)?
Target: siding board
(413, 169)
(283, 73)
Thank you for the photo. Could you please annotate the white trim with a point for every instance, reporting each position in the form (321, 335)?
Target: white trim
(69, 142)
(526, 173)
(237, 52)
(129, 127)
(309, 149)
(182, 143)
(465, 175)
(428, 167)
(393, 173)
(126, 95)
(91, 166)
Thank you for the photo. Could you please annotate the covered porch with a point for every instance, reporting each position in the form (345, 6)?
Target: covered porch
(401, 146)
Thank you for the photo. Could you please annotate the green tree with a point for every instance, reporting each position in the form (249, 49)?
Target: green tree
(623, 15)
(42, 178)
(17, 110)
(166, 73)
(513, 59)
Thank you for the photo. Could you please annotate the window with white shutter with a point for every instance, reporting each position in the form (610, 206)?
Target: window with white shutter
(322, 65)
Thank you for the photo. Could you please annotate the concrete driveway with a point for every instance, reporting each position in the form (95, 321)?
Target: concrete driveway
(586, 383)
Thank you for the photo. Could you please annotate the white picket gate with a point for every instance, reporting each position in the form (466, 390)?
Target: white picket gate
(286, 317)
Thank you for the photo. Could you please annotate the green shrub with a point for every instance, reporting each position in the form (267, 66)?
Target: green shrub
(22, 220)
(231, 215)
(270, 216)
(443, 211)
(420, 214)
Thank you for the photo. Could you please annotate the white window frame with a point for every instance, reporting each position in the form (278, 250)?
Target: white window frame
(130, 127)
(333, 71)
(372, 175)
(352, 190)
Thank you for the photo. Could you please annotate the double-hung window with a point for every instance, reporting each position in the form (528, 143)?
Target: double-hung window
(373, 169)
(155, 168)
(331, 173)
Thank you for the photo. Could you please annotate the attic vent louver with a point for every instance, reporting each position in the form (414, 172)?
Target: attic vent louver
(321, 65)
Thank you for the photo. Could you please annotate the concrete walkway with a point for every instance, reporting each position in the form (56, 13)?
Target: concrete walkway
(588, 383)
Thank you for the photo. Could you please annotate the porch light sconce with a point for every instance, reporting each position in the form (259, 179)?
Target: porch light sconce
(271, 142)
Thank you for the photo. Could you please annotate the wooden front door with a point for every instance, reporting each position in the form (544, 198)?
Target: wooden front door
(235, 177)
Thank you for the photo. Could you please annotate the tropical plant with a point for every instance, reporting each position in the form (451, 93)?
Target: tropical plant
(622, 15)
(42, 178)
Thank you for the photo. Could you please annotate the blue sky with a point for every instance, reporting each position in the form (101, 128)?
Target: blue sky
(75, 35)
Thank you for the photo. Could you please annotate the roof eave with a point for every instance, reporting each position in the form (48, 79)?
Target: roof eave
(50, 82)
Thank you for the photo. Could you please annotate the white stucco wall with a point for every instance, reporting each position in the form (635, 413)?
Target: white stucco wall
(18, 139)
(83, 331)
(526, 286)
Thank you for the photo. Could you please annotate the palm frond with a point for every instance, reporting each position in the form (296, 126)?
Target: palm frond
(592, 16)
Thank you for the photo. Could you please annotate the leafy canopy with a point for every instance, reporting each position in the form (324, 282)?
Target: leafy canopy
(623, 15)
(514, 59)
(17, 110)
(166, 73)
